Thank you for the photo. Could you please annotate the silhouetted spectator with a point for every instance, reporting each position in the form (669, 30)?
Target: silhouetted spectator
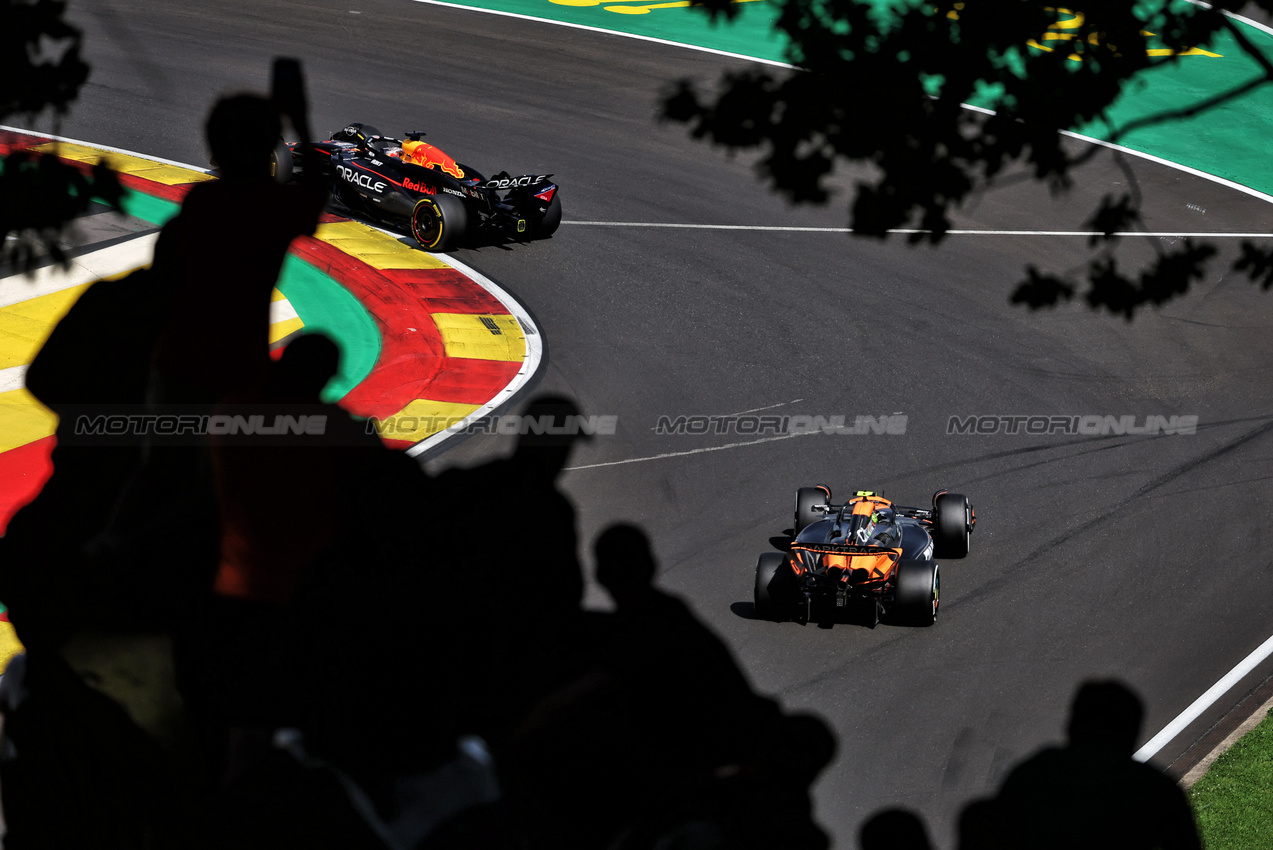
(1091, 793)
(759, 805)
(540, 514)
(511, 516)
(553, 709)
(372, 703)
(286, 503)
(78, 772)
(675, 666)
(794, 750)
(284, 498)
(212, 338)
(894, 829)
(980, 827)
(215, 337)
(722, 766)
(96, 362)
(60, 583)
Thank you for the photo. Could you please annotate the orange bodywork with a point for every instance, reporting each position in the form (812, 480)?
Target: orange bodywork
(878, 564)
(423, 153)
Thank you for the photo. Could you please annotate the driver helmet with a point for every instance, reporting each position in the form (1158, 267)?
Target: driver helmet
(858, 529)
(362, 135)
(882, 529)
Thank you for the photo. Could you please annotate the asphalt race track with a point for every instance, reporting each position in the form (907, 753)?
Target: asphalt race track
(1141, 557)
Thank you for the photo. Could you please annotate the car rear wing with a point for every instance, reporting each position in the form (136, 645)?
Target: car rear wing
(504, 181)
(900, 510)
(843, 549)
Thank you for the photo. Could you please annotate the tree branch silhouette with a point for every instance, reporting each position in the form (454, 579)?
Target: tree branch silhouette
(886, 85)
(41, 69)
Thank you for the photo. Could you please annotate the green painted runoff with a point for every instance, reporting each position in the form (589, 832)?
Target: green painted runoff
(1226, 142)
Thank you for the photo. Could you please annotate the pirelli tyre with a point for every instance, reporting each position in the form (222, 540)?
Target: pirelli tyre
(439, 222)
(552, 218)
(281, 162)
(952, 525)
(774, 586)
(806, 499)
(917, 593)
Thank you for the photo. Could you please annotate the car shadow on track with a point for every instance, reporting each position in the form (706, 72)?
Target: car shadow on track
(747, 611)
(472, 242)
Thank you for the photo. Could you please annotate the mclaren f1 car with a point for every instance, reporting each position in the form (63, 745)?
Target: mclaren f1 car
(863, 560)
(410, 185)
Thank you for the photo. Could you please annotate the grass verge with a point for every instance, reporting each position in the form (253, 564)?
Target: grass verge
(1233, 801)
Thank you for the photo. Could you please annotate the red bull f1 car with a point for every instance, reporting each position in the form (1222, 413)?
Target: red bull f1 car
(410, 185)
(864, 560)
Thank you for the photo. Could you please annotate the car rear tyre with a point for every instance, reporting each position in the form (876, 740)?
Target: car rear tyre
(774, 585)
(806, 499)
(952, 524)
(439, 222)
(281, 162)
(552, 218)
(917, 594)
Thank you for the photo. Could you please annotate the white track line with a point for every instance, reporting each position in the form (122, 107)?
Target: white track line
(1112, 146)
(1202, 703)
(159, 159)
(1236, 17)
(905, 230)
(282, 311)
(691, 451)
(13, 378)
(605, 31)
(86, 268)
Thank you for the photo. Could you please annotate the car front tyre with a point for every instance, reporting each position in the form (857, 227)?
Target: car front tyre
(952, 524)
(806, 499)
(281, 163)
(438, 223)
